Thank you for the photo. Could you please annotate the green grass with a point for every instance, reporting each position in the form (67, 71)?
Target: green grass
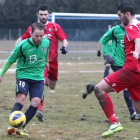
(67, 115)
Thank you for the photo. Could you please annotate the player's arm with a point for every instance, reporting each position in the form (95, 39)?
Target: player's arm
(27, 34)
(18, 40)
(136, 52)
(104, 40)
(5, 67)
(64, 47)
(47, 59)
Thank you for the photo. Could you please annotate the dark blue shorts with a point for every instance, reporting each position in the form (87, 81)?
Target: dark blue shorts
(35, 88)
(116, 68)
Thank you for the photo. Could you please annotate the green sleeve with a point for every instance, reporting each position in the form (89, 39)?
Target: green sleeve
(105, 39)
(47, 55)
(5, 67)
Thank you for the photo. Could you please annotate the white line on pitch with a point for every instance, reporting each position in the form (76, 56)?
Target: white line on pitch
(96, 71)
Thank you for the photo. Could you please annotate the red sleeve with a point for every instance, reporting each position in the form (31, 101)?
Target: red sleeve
(27, 34)
(132, 32)
(60, 33)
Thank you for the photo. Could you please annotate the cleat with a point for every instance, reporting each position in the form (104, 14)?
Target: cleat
(10, 130)
(113, 128)
(21, 131)
(40, 116)
(135, 116)
(87, 91)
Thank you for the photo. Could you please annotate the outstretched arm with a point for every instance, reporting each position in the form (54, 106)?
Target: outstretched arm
(5, 67)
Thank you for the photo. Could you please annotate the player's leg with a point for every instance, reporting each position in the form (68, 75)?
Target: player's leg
(101, 90)
(133, 114)
(50, 80)
(36, 91)
(22, 87)
(106, 71)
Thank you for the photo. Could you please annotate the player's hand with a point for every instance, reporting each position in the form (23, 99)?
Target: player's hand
(99, 53)
(135, 55)
(108, 59)
(0, 79)
(64, 50)
(47, 66)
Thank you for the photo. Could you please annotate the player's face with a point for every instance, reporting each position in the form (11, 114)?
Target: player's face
(123, 18)
(43, 16)
(37, 36)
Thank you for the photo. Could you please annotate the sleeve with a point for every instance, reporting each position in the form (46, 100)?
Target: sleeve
(60, 33)
(5, 67)
(132, 32)
(27, 34)
(47, 54)
(105, 39)
(15, 54)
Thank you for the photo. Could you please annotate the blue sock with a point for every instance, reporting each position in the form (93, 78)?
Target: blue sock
(31, 111)
(106, 72)
(128, 101)
(92, 88)
(17, 107)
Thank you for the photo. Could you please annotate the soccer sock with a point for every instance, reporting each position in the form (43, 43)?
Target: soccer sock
(108, 108)
(17, 107)
(30, 114)
(40, 107)
(128, 101)
(106, 72)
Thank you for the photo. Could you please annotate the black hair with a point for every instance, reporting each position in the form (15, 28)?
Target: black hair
(42, 7)
(126, 7)
(37, 25)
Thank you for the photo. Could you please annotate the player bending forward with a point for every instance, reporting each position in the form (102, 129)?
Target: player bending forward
(31, 55)
(54, 33)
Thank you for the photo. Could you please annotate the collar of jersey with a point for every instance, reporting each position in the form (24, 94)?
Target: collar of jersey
(31, 42)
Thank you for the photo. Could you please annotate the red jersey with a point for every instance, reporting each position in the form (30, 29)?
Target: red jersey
(132, 31)
(54, 33)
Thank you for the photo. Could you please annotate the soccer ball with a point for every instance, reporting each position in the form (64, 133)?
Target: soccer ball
(17, 119)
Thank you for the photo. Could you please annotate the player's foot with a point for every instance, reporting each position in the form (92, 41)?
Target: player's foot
(135, 116)
(40, 116)
(112, 129)
(87, 91)
(10, 130)
(21, 131)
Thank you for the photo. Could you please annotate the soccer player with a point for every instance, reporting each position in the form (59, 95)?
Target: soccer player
(127, 77)
(31, 55)
(109, 46)
(116, 36)
(54, 33)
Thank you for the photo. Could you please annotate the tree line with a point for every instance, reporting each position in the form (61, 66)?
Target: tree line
(16, 14)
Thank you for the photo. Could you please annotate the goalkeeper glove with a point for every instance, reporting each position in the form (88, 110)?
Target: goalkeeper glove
(64, 50)
(108, 59)
(99, 53)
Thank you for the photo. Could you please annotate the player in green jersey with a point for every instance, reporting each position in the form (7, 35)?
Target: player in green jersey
(116, 35)
(109, 46)
(31, 55)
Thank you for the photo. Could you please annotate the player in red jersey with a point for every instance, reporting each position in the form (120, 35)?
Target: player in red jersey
(54, 33)
(127, 77)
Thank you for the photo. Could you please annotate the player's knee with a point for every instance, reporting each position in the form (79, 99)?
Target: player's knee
(35, 102)
(52, 87)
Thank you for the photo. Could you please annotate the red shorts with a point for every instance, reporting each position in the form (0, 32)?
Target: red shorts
(52, 74)
(125, 78)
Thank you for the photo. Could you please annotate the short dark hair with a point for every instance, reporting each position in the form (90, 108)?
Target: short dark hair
(37, 25)
(42, 7)
(126, 7)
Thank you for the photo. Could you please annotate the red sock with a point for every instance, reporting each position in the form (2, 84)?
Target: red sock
(40, 107)
(108, 108)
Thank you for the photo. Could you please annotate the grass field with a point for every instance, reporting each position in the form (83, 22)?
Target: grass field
(67, 115)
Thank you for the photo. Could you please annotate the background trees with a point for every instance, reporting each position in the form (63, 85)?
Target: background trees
(16, 14)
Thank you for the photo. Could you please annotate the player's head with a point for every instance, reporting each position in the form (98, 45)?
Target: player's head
(125, 12)
(37, 32)
(43, 13)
